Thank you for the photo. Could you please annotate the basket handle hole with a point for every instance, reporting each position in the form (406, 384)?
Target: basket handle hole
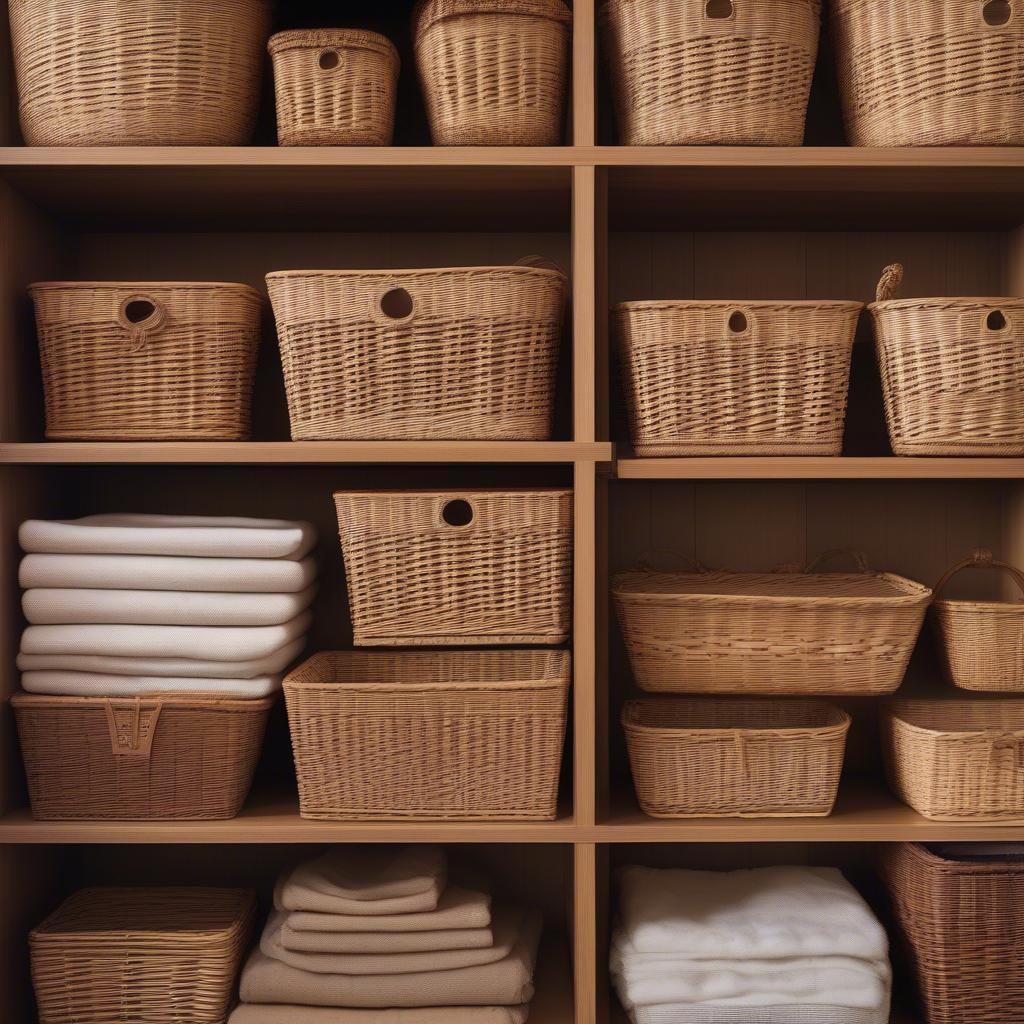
(138, 311)
(996, 320)
(737, 322)
(457, 513)
(329, 60)
(719, 9)
(396, 304)
(997, 12)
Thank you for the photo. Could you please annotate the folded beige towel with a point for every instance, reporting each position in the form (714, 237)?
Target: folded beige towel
(384, 942)
(254, 1014)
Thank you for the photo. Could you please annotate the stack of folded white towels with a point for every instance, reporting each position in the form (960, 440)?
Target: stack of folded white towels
(765, 946)
(124, 605)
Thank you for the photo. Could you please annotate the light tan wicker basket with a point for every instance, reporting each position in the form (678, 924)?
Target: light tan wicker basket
(707, 72)
(792, 631)
(457, 354)
(125, 361)
(457, 568)
(454, 735)
(952, 372)
(930, 72)
(138, 72)
(493, 72)
(735, 758)
(736, 378)
(957, 760)
(148, 757)
(334, 87)
(159, 955)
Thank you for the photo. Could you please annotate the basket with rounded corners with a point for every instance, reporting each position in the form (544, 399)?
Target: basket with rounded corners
(792, 631)
(952, 372)
(452, 568)
(697, 1013)
(403, 735)
(736, 378)
(710, 72)
(704, 758)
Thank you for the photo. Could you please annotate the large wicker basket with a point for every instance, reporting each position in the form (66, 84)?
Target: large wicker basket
(418, 734)
(736, 378)
(457, 567)
(147, 361)
(159, 955)
(458, 354)
(735, 758)
(138, 72)
(142, 758)
(792, 631)
(930, 72)
(707, 72)
(493, 72)
(952, 372)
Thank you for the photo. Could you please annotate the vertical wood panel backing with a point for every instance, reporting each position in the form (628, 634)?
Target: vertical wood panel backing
(584, 72)
(584, 641)
(584, 287)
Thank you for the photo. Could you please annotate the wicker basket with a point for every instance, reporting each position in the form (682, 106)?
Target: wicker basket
(708, 72)
(930, 72)
(957, 760)
(736, 378)
(735, 758)
(455, 735)
(493, 72)
(147, 361)
(457, 567)
(142, 758)
(952, 372)
(334, 87)
(462, 354)
(792, 631)
(159, 955)
(138, 72)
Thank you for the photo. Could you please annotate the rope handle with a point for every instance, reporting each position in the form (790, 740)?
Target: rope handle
(981, 558)
(645, 562)
(889, 283)
(141, 316)
(858, 556)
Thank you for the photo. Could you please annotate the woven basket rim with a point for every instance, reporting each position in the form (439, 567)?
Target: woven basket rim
(964, 604)
(428, 13)
(731, 304)
(841, 726)
(343, 38)
(953, 866)
(275, 275)
(953, 302)
(167, 700)
(420, 492)
(896, 711)
(141, 286)
(552, 683)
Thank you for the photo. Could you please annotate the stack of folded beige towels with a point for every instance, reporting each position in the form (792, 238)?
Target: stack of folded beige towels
(379, 935)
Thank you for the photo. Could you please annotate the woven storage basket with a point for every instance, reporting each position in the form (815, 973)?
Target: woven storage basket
(142, 758)
(334, 87)
(124, 956)
(743, 378)
(707, 72)
(457, 567)
(791, 631)
(138, 72)
(952, 372)
(735, 758)
(694, 1013)
(930, 72)
(457, 354)
(451, 734)
(127, 361)
(493, 72)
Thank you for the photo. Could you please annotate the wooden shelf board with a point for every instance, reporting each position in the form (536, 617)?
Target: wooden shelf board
(814, 468)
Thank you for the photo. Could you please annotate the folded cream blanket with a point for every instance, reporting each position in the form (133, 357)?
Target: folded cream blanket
(252, 1014)
(383, 942)
(87, 684)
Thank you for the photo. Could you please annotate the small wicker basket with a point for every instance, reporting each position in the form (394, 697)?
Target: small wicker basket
(735, 758)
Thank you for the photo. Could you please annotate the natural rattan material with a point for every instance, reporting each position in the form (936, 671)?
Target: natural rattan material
(334, 87)
(414, 579)
(493, 72)
(460, 354)
(185, 372)
(138, 72)
(681, 76)
(124, 956)
(143, 758)
(455, 735)
(930, 72)
(735, 758)
(736, 378)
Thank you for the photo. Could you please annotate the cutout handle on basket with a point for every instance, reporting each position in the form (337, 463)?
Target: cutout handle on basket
(996, 13)
(141, 316)
(719, 10)
(132, 726)
(999, 740)
(981, 558)
(739, 323)
(457, 513)
(328, 60)
(646, 561)
(889, 283)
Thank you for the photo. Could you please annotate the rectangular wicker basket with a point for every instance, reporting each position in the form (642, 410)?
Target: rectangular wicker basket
(455, 735)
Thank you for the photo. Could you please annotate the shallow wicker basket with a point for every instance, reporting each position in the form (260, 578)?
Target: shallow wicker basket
(438, 735)
(696, 1013)
(493, 72)
(952, 372)
(930, 72)
(125, 361)
(792, 631)
(707, 72)
(143, 758)
(159, 955)
(736, 378)
(735, 758)
(334, 87)
(457, 568)
(138, 72)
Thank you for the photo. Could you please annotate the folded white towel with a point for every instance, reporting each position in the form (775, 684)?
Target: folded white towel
(89, 684)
